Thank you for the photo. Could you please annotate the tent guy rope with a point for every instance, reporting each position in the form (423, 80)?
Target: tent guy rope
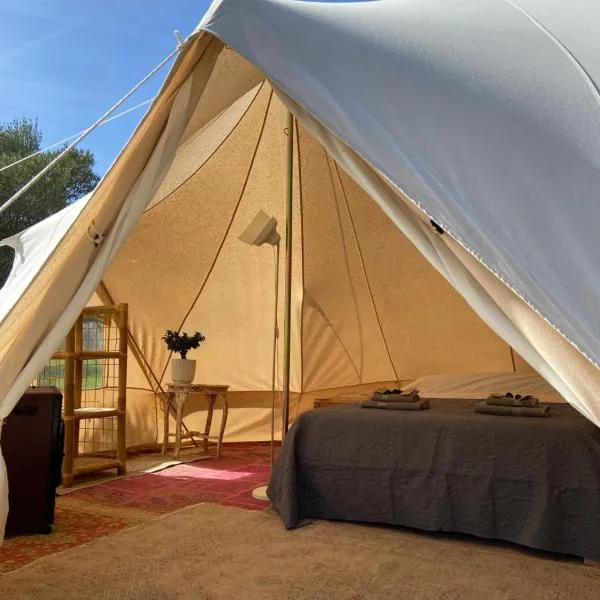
(87, 131)
(64, 140)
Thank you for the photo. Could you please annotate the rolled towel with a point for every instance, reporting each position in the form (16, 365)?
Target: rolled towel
(509, 399)
(387, 391)
(395, 396)
(417, 405)
(512, 411)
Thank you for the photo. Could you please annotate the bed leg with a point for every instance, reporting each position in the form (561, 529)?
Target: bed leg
(591, 563)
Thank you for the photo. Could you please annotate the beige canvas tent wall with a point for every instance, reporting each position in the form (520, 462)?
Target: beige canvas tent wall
(367, 307)
(384, 143)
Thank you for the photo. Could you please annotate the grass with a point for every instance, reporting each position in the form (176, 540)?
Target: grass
(54, 374)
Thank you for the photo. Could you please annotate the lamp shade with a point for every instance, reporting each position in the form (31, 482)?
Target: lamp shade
(262, 230)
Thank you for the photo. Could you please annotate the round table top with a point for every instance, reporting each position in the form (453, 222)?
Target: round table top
(197, 387)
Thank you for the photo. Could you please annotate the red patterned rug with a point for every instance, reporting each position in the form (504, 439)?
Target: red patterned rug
(228, 481)
(100, 510)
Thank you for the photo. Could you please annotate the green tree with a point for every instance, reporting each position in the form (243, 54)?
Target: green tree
(68, 180)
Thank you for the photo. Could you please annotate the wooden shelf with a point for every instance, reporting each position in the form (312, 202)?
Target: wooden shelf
(74, 355)
(91, 464)
(88, 354)
(95, 413)
(101, 310)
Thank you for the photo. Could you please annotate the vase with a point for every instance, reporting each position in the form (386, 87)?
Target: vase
(183, 370)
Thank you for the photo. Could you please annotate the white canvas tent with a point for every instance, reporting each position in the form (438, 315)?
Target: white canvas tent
(481, 116)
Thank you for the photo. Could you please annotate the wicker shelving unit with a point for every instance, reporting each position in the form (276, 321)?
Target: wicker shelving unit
(95, 392)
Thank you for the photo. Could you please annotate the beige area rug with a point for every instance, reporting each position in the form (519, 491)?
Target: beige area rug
(211, 552)
(137, 464)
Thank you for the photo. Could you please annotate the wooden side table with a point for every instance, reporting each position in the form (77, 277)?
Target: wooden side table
(179, 394)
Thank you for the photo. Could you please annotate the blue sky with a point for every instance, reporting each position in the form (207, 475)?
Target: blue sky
(66, 62)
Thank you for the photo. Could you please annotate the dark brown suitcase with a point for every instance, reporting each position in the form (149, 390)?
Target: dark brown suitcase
(32, 445)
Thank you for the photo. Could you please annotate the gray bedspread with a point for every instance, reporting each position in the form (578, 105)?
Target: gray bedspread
(535, 482)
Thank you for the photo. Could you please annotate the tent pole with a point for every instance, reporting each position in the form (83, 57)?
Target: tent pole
(275, 346)
(288, 274)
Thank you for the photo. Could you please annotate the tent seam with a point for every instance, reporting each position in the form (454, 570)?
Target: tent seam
(370, 382)
(104, 289)
(589, 80)
(362, 260)
(138, 354)
(512, 358)
(348, 271)
(208, 158)
(257, 88)
(217, 254)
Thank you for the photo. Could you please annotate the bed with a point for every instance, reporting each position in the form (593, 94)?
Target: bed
(532, 481)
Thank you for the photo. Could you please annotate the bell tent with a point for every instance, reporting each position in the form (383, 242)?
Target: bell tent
(444, 165)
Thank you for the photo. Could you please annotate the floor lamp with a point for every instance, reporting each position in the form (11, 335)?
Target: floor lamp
(263, 230)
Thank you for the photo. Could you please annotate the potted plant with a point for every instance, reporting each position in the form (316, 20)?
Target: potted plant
(183, 370)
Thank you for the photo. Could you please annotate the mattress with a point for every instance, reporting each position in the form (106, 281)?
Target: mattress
(532, 481)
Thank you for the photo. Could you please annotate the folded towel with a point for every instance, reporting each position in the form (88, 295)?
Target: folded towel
(420, 405)
(512, 411)
(384, 391)
(395, 396)
(509, 399)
